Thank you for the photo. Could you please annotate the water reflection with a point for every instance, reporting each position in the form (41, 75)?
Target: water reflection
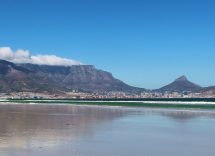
(32, 130)
(182, 115)
(39, 126)
(177, 114)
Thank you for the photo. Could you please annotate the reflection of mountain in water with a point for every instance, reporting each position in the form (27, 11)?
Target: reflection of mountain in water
(184, 115)
(24, 126)
(180, 115)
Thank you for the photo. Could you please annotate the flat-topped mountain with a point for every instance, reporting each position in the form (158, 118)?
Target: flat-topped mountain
(38, 78)
(181, 84)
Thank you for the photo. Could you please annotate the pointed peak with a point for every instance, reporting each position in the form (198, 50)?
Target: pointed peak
(182, 78)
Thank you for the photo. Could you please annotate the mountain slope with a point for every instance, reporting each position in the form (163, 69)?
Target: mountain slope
(181, 84)
(14, 78)
(209, 90)
(38, 78)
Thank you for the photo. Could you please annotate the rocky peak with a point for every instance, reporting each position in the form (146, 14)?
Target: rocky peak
(181, 84)
(182, 78)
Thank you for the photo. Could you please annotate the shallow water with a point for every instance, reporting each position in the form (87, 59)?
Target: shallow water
(32, 130)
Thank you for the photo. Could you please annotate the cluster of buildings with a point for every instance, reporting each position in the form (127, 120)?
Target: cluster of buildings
(104, 95)
(176, 95)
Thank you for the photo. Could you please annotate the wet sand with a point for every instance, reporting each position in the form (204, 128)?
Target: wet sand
(32, 130)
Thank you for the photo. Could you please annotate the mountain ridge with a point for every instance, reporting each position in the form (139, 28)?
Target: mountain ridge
(85, 78)
(38, 78)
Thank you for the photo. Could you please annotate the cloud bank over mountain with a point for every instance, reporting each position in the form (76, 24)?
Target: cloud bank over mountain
(24, 56)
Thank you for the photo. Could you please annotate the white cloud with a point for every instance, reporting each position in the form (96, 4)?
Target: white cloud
(24, 56)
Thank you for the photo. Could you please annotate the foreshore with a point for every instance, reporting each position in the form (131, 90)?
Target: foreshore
(147, 104)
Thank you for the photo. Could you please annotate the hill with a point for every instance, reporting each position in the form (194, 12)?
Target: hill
(181, 84)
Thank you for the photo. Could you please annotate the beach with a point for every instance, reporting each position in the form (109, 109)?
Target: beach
(44, 129)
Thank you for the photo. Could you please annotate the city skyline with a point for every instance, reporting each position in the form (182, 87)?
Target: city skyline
(144, 43)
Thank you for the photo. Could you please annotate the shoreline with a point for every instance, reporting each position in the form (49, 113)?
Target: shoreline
(126, 108)
(131, 104)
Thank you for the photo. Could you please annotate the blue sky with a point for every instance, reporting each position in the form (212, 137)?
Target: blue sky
(146, 43)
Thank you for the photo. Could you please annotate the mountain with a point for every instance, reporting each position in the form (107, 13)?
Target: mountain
(15, 78)
(209, 90)
(40, 78)
(181, 84)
